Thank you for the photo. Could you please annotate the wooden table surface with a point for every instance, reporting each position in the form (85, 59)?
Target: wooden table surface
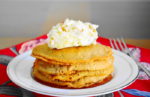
(6, 42)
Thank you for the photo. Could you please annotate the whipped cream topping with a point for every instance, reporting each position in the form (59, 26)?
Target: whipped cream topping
(72, 33)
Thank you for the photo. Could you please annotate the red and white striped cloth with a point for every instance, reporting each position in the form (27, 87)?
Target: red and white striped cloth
(140, 88)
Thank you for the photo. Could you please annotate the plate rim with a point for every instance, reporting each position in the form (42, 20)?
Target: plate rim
(54, 94)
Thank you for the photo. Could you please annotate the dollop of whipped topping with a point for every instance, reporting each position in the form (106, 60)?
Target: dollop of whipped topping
(72, 33)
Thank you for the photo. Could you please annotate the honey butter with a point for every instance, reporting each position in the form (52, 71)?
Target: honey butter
(72, 33)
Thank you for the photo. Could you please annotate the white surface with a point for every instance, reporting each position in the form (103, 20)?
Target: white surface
(19, 71)
(31, 18)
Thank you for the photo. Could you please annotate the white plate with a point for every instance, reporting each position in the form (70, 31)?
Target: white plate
(19, 71)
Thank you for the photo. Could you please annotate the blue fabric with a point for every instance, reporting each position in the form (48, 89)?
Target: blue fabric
(137, 92)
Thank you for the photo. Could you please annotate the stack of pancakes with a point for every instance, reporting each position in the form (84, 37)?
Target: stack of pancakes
(74, 67)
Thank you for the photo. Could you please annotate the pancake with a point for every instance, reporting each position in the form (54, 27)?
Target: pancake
(59, 69)
(80, 83)
(74, 67)
(75, 75)
(72, 55)
(79, 74)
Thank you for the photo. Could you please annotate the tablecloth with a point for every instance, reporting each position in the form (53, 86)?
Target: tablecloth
(140, 88)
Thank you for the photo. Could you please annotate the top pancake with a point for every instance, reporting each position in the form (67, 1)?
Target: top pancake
(72, 55)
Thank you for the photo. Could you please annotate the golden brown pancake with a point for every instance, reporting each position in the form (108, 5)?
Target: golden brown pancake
(75, 74)
(78, 74)
(74, 67)
(59, 69)
(80, 83)
(72, 55)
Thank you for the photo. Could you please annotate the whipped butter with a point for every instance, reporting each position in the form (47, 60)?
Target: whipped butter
(72, 33)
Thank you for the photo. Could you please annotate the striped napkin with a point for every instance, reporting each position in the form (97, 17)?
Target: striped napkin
(140, 88)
